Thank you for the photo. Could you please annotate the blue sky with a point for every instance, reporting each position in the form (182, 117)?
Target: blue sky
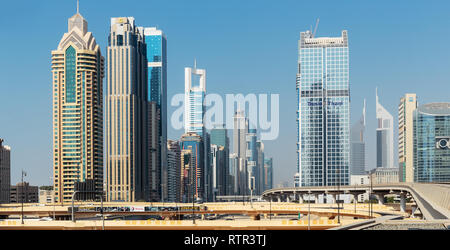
(245, 46)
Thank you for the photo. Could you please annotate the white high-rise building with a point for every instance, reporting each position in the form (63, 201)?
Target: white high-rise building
(385, 137)
(358, 145)
(194, 100)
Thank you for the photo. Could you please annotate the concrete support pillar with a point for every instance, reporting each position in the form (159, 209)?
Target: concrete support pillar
(300, 198)
(333, 198)
(316, 198)
(413, 210)
(380, 198)
(279, 198)
(203, 216)
(403, 202)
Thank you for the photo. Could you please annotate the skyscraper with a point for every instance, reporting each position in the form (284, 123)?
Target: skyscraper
(157, 92)
(323, 113)
(219, 170)
(240, 131)
(385, 136)
(77, 83)
(5, 172)
(407, 106)
(358, 145)
(173, 171)
(219, 137)
(252, 159)
(260, 168)
(268, 174)
(193, 166)
(432, 143)
(195, 92)
(126, 113)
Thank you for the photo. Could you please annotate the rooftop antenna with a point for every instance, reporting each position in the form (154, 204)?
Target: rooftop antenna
(364, 112)
(195, 64)
(78, 6)
(315, 28)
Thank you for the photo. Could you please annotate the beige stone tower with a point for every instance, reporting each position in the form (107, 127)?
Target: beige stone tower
(77, 74)
(406, 108)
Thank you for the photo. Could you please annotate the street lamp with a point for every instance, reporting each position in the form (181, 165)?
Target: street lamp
(22, 196)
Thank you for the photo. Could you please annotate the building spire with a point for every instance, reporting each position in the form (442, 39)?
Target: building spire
(195, 64)
(78, 6)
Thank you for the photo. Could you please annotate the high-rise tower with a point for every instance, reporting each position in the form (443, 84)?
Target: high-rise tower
(323, 114)
(385, 137)
(194, 100)
(157, 92)
(358, 145)
(77, 78)
(127, 164)
(408, 104)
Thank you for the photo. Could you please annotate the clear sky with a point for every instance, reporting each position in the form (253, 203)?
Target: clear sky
(245, 46)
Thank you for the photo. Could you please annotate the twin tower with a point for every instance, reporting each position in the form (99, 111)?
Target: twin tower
(135, 119)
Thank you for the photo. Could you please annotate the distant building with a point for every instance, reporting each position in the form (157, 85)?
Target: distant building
(384, 175)
(323, 110)
(432, 143)
(192, 151)
(385, 137)
(252, 160)
(5, 173)
(24, 192)
(260, 167)
(358, 180)
(268, 174)
(408, 104)
(219, 170)
(358, 145)
(234, 174)
(46, 196)
(173, 171)
(240, 131)
(195, 93)
(219, 137)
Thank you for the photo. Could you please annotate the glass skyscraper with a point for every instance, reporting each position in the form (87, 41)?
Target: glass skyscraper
(157, 92)
(323, 112)
(432, 143)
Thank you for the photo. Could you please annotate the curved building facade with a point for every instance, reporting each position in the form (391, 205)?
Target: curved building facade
(432, 143)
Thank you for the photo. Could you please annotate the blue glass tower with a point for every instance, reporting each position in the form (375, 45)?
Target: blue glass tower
(432, 143)
(323, 112)
(157, 92)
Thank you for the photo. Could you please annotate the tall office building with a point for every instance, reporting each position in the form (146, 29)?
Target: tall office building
(157, 92)
(323, 112)
(358, 145)
(234, 174)
(268, 173)
(219, 137)
(5, 172)
(408, 104)
(195, 92)
(432, 143)
(260, 168)
(173, 171)
(385, 136)
(153, 151)
(126, 113)
(77, 83)
(193, 169)
(252, 159)
(219, 171)
(240, 131)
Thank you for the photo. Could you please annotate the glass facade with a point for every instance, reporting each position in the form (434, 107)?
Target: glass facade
(431, 143)
(323, 111)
